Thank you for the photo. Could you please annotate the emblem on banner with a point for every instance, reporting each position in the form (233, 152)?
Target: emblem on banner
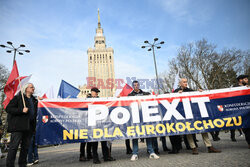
(220, 108)
(45, 118)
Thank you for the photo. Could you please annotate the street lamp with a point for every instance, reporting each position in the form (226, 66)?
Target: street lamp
(12, 48)
(152, 46)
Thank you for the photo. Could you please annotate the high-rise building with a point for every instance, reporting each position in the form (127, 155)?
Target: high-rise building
(101, 64)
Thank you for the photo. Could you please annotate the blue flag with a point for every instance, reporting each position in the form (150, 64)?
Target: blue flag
(66, 90)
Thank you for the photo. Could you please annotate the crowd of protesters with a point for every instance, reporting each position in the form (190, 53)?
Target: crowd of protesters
(22, 114)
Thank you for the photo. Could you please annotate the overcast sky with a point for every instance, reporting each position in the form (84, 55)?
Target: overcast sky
(59, 32)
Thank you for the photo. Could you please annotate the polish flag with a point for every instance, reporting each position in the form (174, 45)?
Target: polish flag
(124, 91)
(11, 85)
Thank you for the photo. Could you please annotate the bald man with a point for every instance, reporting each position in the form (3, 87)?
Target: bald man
(184, 88)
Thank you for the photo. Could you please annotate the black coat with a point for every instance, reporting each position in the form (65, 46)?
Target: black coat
(17, 120)
(184, 90)
(140, 93)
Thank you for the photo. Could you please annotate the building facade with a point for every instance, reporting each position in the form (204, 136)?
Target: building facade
(84, 91)
(101, 64)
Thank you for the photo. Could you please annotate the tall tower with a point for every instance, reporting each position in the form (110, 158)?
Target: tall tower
(101, 63)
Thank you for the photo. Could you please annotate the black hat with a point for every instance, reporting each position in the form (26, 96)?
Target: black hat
(242, 77)
(95, 89)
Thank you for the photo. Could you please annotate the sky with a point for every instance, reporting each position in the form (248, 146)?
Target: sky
(59, 32)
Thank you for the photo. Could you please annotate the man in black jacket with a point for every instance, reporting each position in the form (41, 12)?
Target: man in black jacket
(149, 141)
(106, 152)
(243, 81)
(190, 139)
(21, 124)
(136, 92)
(176, 140)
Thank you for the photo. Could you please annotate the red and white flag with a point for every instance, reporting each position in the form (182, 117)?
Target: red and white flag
(11, 85)
(124, 91)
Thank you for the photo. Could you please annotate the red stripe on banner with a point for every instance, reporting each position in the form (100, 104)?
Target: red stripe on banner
(127, 102)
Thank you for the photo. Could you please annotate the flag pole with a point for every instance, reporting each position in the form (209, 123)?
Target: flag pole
(21, 92)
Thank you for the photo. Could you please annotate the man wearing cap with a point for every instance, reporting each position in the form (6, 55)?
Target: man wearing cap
(105, 150)
(243, 81)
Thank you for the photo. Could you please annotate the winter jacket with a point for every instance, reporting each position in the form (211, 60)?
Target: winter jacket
(140, 93)
(19, 121)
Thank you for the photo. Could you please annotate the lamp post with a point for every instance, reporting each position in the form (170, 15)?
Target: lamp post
(15, 49)
(152, 46)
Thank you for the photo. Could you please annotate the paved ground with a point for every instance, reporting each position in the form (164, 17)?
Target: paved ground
(233, 154)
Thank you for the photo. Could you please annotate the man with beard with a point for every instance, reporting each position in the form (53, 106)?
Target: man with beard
(22, 112)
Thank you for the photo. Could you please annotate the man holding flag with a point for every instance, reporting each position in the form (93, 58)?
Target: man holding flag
(22, 112)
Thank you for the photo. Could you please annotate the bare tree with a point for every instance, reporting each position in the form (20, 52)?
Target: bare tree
(207, 68)
(246, 63)
(168, 78)
(4, 74)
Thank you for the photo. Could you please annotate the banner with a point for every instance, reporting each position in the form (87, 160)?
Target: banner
(97, 119)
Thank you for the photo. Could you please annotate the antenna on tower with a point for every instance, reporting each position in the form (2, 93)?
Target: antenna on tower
(99, 22)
